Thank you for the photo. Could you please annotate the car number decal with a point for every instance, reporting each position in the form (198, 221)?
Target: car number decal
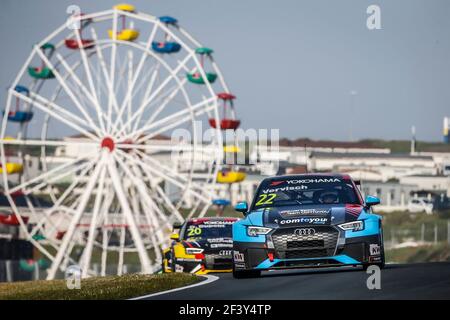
(266, 199)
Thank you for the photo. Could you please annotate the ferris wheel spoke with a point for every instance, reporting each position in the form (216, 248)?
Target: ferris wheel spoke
(67, 90)
(163, 168)
(164, 104)
(173, 76)
(162, 195)
(105, 239)
(43, 104)
(48, 143)
(87, 70)
(142, 60)
(50, 107)
(142, 190)
(84, 91)
(135, 204)
(122, 65)
(126, 211)
(112, 69)
(76, 219)
(148, 206)
(48, 174)
(175, 120)
(54, 179)
(107, 76)
(185, 178)
(86, 260)
(171, 176)
(147, 92)
(129, 80)
(165, 97)
(58, 204)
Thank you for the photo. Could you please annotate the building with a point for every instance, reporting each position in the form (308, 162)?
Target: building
(375, 166)
(394, 196)
(428, 182)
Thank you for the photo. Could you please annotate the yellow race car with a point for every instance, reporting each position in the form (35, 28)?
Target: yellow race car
(203, 245)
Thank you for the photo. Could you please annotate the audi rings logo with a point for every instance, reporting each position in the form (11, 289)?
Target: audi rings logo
(304, 232)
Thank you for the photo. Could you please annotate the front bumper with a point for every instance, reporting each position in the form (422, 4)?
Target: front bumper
(352, 251)
(209, 264)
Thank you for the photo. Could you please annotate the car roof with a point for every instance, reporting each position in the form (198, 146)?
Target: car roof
(309, 175)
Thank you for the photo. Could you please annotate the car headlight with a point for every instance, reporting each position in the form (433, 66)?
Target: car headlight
(194, 250)
(353, 226)
(256, 231)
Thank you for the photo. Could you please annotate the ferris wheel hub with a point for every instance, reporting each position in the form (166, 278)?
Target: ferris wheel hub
(108, 143)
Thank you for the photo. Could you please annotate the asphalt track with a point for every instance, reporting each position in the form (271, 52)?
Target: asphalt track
(399, 281)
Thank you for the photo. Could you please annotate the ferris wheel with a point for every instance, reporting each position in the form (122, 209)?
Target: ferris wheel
(85, 139)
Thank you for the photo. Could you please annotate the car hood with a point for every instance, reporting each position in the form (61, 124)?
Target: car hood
(289, 216)
(210, 245)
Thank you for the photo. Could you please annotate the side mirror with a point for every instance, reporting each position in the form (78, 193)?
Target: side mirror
(241, 207)
(372, 201)
(175, 237)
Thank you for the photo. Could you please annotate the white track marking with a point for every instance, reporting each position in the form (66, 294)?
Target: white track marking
(209, 279)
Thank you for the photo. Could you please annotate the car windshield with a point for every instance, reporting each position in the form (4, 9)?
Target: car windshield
(311, 190)
(206, 229)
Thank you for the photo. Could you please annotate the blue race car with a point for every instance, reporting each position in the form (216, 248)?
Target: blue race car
(310, 220)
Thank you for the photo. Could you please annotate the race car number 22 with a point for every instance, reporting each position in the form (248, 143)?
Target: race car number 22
(265, 199)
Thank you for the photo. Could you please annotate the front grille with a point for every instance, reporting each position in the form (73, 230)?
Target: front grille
(305, 244)
(289, 245)
(308, 253)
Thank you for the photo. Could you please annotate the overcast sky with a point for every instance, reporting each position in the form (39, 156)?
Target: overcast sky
(292, 64)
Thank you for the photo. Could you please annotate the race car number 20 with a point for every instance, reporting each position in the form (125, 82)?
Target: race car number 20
(194, 231)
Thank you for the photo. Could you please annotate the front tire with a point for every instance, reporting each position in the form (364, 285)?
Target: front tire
(382, 263)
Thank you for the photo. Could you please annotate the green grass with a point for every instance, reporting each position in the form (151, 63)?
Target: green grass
(405, 226)
(110, 288)
(431, 253)
(404, 146)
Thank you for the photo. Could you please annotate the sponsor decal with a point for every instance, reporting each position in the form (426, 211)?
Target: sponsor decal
(238, 257)
(316, 180)
(299, 184)
(239, 266)
(225, 252)
(374, 250)
(276, 190)
(304, 232)
(221, 245)
(303, 220)
(219, 240)
(218, 223)
(189, 260)
(297, 212)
